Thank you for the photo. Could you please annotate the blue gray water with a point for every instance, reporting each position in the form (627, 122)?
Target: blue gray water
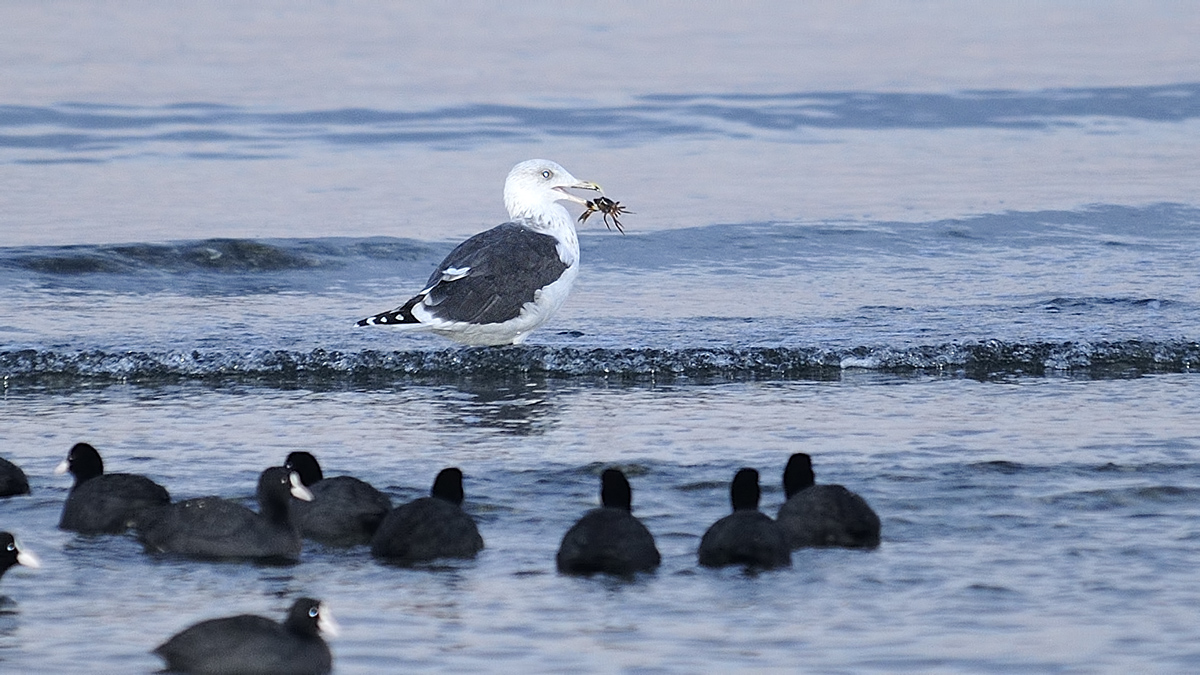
(957, 267)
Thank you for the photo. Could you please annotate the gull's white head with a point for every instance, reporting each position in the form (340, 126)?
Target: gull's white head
(534, 186)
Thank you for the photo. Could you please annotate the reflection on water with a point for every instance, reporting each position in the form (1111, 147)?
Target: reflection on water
(508, 405)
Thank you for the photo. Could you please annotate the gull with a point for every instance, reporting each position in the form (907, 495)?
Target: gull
(501, 284)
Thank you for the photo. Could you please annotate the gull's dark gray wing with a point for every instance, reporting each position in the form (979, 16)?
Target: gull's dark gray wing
(486, 279)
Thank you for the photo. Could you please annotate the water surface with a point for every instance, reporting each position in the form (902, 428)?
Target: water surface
(949, 251)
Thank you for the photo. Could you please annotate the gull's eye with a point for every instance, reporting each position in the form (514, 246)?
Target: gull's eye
(547, 173)
(313, 612)
(12, 546)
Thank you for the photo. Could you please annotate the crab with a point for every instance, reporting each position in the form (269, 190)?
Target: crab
(609, 208)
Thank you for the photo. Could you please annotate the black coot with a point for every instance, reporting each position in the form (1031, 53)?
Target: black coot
(609, 539)
(104, 503)
(823, 515)
(212, 527)
(248, 644)
(12, 479)
(430, 527)
(11, 554)
(344, 511)
(747, 536)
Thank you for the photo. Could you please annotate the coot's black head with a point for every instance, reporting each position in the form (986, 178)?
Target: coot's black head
(744, 492)
(83, 462)
(798, 474)
(306, 465)
(615, 492)
(276, 486)
(448, 485)
(11, 554)
(310, 618)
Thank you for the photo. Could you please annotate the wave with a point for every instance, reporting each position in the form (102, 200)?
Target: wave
(221, 266)
(979, 360)
(87, 132)
(750, 246)
(230, 256)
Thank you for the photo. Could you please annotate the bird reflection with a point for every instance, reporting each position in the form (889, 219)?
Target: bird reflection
(512, 405)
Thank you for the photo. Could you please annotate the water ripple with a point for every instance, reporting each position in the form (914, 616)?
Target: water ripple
(91, 130)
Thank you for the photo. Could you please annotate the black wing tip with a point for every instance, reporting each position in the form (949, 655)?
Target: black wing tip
(392, 318)
(396, 316)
